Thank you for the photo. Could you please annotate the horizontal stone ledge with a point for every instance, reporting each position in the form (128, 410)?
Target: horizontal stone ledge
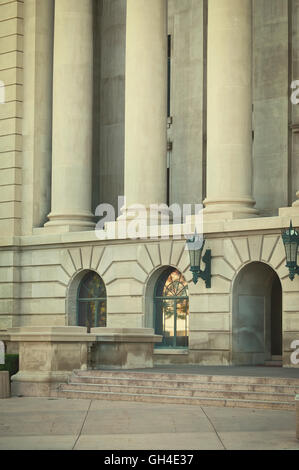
(50, 334)
(41, 376)
(172, 352)
(126, 335)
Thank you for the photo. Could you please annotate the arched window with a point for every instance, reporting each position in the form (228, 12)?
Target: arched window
(91, 302)
(171, 309)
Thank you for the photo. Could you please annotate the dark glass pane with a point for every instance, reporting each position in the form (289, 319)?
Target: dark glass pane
(168, 323)
(102, 317)
(182, 322)
(92, 286)
(87, 314)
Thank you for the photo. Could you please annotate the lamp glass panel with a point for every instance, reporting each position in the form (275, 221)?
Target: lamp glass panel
(293, 252)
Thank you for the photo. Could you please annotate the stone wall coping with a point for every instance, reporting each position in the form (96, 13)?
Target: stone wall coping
(171, 352)
(50, 334)
(249, 226)
(126, 335)
(128, 338)
(79, 334)
(123, 331)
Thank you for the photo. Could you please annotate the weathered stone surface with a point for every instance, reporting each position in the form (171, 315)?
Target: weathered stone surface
(4, 384)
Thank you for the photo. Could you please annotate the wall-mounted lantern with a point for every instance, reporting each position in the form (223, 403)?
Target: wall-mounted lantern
(195, 247)
(290, 239)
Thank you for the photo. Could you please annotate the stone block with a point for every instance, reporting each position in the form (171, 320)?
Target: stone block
(120, 320)
(269, 244)
(255, 246)
(278, 255)
(241, 245)
(123, 348)
(125, 304)
(221, 267)
(231, 254)
(165, 250)
(144, 259)
(47, 356)
(177, 250)
(96, 256)
(4, 384)
(154, 253)
(125, 287)
(130, 269)
(205, 340)
(210, 303)
(210, 322)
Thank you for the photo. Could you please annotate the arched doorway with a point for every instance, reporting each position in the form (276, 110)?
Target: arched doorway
(171, 309)
(257, 315)
(91, 302)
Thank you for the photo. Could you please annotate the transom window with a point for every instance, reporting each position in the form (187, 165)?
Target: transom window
(171, 309)
(91, 302)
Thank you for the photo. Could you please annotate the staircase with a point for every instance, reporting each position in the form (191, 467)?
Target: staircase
(276, 361)
(187, 389)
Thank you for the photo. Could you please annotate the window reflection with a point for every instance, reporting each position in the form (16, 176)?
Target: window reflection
(172, 309)
(92, 310)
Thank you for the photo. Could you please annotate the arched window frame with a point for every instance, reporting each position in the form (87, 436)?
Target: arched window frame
(80, 300)
(158, 296)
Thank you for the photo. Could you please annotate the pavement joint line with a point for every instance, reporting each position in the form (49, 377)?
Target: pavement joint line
(84, 420)
(216, 432)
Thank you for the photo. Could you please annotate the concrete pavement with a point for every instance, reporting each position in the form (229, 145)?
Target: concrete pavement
(65, 424)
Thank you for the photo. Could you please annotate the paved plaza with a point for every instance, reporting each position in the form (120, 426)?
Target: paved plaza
(65, 424)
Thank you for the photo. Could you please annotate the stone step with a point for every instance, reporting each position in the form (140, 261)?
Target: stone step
(234, 386)
(68, 392)
(273, 363)
(181, 392)
(190, 377)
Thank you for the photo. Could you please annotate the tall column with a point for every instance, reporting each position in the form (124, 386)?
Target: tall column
(72, 115)
(37, 118)
(146, 102)
(229, 110)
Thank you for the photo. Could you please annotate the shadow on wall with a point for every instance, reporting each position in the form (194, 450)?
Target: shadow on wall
(257, 315)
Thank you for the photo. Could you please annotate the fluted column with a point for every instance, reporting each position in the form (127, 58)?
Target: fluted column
(146, 102)
(229, 110)
(72, 115)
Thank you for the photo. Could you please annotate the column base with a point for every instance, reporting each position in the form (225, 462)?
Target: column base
(229, 209)
(290, 211)
(70, 222)
(139, 222)
(160, 216)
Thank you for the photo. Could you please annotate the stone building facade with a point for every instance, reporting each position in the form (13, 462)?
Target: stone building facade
(85, 121)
